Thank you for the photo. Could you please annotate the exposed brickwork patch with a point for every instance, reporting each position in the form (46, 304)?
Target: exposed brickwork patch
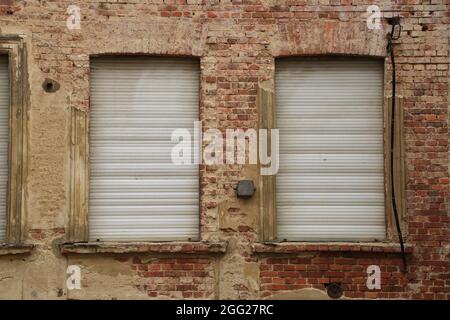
(294, 273)
(177, 277)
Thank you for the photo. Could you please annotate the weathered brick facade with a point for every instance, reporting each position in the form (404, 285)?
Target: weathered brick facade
(236, 42)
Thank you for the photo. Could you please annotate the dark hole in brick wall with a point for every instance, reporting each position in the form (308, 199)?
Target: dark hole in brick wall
(50, 85)
(334, 290)
(424, 27)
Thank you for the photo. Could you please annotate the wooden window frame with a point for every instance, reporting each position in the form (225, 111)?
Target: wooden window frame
(267, 120)
(14, 46)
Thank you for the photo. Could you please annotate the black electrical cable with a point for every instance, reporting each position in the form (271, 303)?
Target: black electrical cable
(394, 202)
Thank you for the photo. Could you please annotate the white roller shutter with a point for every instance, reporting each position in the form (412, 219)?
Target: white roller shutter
(330, 186)
(4, 141)
(136, 193)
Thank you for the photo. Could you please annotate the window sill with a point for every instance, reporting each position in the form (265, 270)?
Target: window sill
(201, 247)
(9, 248)
(297, 247)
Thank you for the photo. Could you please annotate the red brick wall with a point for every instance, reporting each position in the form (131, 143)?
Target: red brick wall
(177, 277)
(349, 270)
(237, 41)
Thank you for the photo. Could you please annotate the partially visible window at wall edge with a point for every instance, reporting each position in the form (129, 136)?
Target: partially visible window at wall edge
(14, 47)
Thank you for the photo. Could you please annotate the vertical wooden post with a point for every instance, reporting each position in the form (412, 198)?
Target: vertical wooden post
(79, 176)
(266, 111)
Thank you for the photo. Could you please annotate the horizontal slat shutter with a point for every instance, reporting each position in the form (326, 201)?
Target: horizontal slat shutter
(4, 144)
(136, 193)
(330, 186)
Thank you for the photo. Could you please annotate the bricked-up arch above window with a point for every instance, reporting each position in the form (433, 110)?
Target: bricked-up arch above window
(14, 97)
(328, 37)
